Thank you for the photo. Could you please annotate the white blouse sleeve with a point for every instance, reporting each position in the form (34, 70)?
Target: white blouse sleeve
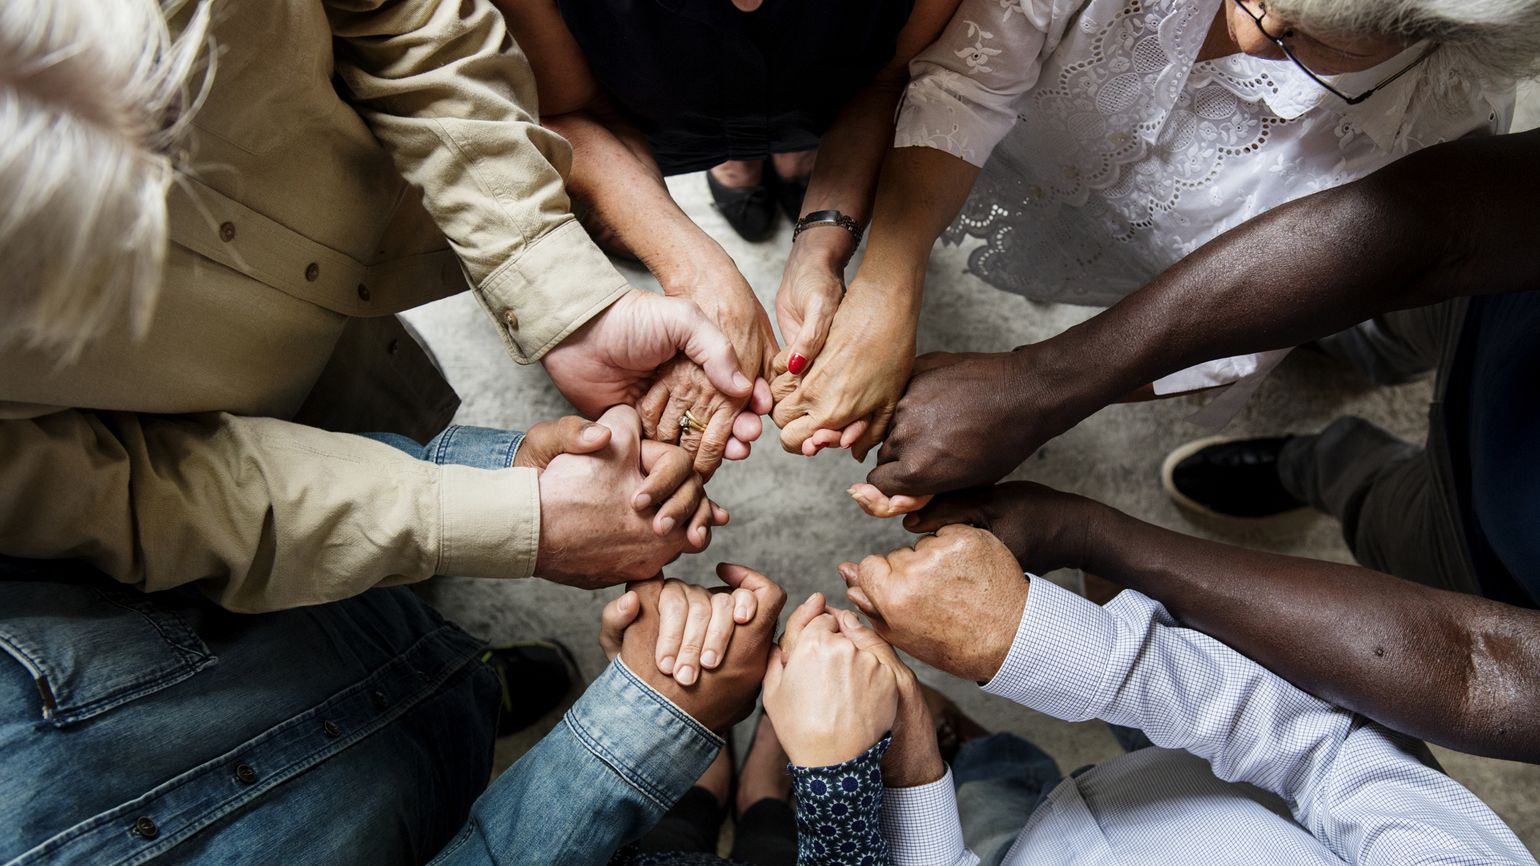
(964, 89)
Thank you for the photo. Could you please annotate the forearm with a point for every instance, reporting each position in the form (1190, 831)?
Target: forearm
(619, 759)
(919, 195)
(1453, 669)
(616, 179)
(262, 514)
(1438, 224)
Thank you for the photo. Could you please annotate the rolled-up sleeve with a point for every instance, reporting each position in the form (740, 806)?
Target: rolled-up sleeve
(965, 90)
(258, 513)
(450, 96)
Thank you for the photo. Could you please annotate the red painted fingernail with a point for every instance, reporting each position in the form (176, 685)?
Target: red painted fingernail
(796, 364)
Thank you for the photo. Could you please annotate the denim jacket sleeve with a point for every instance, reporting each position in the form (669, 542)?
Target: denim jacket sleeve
(620, 758)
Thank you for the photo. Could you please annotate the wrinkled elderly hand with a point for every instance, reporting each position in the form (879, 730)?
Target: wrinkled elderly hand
(723, 695)
(622, 512)
(1042, 527)
(614, 358)
(731, 421)
(829, 699)
(954, 600)
(966, 421)
(855, 384)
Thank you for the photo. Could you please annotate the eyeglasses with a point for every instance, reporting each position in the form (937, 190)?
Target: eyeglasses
(1278, 40)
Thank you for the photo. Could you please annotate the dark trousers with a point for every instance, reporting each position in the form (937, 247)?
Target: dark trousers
(765, 835)
(1396, 501)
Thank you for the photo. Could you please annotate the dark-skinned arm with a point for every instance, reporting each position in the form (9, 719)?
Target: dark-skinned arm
(1456, 670)
(1452, 220)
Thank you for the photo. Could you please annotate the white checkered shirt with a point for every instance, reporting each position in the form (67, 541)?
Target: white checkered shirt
(1357, 792)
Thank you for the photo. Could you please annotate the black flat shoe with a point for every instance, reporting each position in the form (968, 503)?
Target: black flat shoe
(789, 193)
(1229, 477)
(537, 677)
(749, 210)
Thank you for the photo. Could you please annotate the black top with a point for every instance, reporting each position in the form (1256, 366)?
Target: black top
(1493, 420)
(707, 83)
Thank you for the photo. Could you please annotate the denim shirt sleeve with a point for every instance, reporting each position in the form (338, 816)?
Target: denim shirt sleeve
(839, 811)
(621, 757)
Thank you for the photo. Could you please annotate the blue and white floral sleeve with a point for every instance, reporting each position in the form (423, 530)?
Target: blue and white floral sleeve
(839, 811)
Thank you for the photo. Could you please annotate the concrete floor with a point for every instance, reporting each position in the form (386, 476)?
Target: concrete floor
(793, 520)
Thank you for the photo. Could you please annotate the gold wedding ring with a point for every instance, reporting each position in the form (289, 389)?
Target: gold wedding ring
(687, 421)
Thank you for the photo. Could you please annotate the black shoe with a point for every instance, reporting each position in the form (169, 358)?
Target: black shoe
(789, 192)
(749, 210)
(1229, 477)
(537, 676)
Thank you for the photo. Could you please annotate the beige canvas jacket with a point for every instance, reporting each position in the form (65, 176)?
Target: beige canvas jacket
(354, 158)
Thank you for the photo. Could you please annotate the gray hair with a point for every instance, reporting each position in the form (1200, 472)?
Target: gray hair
(93, 98)
(1481, 43)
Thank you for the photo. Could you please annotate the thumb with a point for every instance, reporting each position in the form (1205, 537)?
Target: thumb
(702, 342)
(569, 435)
(810, 337)
(616, 618)
(963, 507)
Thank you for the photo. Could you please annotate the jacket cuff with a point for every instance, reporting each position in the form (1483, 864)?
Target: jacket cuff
(550, 290)
(648, 741)
(1058, 658)
(489, 521)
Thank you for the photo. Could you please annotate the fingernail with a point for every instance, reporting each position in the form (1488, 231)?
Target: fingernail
(643, 500)
(591, 433)
(708, 659)
(742, 613)
(667, 524)
(796, 364)
(667, 665)
(741, 382)
(686, 675)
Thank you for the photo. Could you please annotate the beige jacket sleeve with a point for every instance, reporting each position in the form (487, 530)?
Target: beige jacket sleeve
(263, 514)
(451, 97)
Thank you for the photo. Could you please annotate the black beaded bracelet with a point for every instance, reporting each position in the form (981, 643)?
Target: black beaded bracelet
(828, 218)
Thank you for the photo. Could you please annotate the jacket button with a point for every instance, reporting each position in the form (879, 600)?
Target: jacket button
(330, 729)
(227, 232)
(363, 292)
(312, 272)
(245, 774)
(379, 700)
(512, 319)
(145, 827)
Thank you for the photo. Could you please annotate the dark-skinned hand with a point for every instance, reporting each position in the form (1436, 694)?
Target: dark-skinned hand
(965, 421)
(1042, 527)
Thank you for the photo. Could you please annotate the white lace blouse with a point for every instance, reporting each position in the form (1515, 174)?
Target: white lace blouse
(1110, 152)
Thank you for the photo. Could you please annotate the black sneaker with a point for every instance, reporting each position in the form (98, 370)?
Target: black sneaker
(537, 677)
(749, 210)
(1229, 477)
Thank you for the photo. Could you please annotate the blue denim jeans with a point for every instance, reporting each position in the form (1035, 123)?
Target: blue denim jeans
(160, 728)
(1000, 780)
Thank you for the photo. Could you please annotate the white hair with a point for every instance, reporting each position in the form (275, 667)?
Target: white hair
(1482, 44)
(93, 97)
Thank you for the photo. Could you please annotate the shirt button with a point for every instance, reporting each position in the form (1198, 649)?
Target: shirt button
(330, 729)
(363, 292)
(312, 272)
(512, 319)
(227, 232)
(145, 827)
(245, 774)
(379, 700)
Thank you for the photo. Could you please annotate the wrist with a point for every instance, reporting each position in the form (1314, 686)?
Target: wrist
(823, 247)
(689, 265)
